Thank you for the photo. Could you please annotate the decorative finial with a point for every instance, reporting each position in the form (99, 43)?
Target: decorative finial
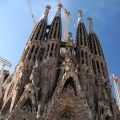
(48, 7)
(58, 14)
(45, 15)
(60, 6)
(80, 13)
(90, 25)
(89, 20)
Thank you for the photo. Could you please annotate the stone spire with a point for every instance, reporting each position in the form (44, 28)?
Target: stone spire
(91, 30)
(99, 65)
(80, 20)
(58, 14)
(102, 78)
(38, 34)
(81, 35)
(40, 29)
(45, 15)
(93, 40)
(82, 47)
(55, 29)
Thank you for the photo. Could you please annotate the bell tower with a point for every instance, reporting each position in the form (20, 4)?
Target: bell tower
(101, 89)
(83, 55)
(35, 49)
(52, 55)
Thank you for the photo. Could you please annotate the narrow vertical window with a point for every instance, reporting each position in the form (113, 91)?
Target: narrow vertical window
(103, 70)
(56, 50)
(94, 67)
(26, 52)
(41, 54)
(82, 54)
(48, 48)
(52, 47)
(30, 54)
(35, 54)
(98, 67)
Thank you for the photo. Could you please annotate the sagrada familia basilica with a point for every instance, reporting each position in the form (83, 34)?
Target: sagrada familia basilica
(60, 80)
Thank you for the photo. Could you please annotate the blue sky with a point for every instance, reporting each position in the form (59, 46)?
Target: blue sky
(16, 25)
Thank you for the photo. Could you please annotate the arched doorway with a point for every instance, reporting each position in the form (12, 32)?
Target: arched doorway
(69, 86)
(66, 115)
(108, 118)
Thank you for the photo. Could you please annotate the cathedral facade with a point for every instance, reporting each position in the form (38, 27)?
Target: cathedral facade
(60, 80)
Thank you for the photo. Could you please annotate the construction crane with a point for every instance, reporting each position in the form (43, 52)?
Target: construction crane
(117, 89)
(31, 12)
(4, 63)
(68, 17)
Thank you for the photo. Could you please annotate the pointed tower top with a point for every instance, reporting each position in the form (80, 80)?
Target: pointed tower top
(45, 15)
(80, 13)
(58, 14)
(90, 25)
